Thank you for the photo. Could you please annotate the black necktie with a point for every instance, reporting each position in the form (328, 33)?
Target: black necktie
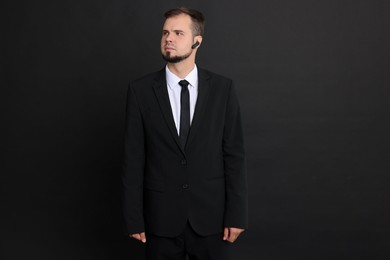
(184, 112)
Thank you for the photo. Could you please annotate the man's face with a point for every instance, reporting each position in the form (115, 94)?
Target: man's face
(177, 38)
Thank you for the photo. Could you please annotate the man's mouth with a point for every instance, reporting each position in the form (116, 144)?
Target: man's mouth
(169, 48)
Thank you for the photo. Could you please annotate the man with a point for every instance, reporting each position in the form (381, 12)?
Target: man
(184, 180)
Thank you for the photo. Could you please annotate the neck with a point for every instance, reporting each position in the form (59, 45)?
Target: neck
(181, 69)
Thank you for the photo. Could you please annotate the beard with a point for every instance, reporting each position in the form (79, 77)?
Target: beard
(175, 59)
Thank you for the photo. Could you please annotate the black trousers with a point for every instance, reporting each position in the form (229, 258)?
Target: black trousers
(189, 244)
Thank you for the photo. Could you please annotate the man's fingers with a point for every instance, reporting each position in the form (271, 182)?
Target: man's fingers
(233, 234)
(143, 237)
(135, 236)
(139, 236)
(232, 237)
(225, 233)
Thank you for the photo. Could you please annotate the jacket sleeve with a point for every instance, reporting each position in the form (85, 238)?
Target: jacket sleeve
(133, 167)
(236, 204)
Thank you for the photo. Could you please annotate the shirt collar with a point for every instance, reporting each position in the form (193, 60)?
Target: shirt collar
(173, 80)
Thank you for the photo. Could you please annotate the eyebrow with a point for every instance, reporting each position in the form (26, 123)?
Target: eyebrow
(176, 31)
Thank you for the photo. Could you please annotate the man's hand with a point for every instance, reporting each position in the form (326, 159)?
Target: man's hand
(231, 234)
(139, 236)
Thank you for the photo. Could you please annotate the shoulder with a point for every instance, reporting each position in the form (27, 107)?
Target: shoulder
(217, 82)
(148, 79)
(214, 77)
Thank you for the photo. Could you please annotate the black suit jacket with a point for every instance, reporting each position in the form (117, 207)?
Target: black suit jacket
(164, 186)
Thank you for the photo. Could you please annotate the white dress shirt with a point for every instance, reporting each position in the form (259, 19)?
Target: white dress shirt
(174, 92)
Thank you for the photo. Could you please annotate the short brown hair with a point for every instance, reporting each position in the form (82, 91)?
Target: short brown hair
(196, 17)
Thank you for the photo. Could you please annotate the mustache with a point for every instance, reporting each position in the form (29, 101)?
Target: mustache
(170, 46)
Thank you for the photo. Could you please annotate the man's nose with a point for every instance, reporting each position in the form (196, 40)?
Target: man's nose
(168, 38)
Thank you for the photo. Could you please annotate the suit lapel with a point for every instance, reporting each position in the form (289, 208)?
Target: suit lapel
(203, 87)
(160, 89)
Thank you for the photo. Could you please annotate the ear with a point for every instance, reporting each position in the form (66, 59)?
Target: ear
(198, 39)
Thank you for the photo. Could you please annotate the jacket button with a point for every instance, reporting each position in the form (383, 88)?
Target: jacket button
(183, 162)
(185, 186)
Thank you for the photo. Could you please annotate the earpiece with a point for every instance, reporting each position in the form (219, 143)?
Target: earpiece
(196, 44)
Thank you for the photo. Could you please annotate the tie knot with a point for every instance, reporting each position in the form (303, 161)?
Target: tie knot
(183, 83)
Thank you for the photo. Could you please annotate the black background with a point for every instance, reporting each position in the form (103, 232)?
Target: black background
(313, 82)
